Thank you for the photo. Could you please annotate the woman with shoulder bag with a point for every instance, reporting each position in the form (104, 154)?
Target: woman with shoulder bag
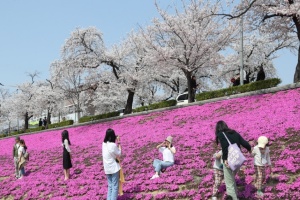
(21, 160)
(110, 153)
(222, 130)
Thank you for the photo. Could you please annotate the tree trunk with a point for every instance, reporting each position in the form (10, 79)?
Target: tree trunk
(26, 119)
(26, 123)
(48, 119)
(297, 25)
(188, 76)
(297, 72)
(9, 131)
(78, 112)
(128, 108)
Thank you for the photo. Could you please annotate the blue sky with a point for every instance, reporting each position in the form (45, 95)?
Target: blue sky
(32, 32)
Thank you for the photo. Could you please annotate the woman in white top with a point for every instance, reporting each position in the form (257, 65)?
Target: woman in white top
(21, 159)
(67, 163)
(168, 151)
(110, 152)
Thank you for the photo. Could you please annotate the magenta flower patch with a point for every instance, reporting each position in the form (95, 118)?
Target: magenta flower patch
(193, 129)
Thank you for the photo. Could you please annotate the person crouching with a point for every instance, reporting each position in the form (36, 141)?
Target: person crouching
(168, 151)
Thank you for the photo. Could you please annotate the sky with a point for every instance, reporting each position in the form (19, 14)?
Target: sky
(32, 32)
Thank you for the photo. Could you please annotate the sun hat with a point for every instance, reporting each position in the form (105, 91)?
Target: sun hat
(262, 141)
(169, 139)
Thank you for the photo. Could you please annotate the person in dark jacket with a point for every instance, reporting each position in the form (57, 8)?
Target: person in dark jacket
(194, 86)
(261, 74)
(45, 121)
(40, 122)
(233, 137)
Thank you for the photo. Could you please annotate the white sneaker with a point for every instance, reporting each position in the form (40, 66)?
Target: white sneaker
(154, 176)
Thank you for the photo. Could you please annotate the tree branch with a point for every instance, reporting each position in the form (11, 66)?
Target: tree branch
(239, 15)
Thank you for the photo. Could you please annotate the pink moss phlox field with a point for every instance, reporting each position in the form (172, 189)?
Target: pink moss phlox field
(193, 128)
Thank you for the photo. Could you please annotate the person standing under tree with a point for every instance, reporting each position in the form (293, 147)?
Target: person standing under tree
(45, 122)
(194, 86)
(261, 74)
(40, 122)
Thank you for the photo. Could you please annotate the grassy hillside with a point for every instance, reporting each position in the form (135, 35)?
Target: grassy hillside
(274, 115)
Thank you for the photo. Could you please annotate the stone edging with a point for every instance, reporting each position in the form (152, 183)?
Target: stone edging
(257, 92)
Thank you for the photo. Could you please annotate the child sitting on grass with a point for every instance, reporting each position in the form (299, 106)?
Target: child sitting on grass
(261, 153)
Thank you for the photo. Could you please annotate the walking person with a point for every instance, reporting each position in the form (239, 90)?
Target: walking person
(67, 157)
(21, 159)
(16, 155)
(233, 137)
(168, 151)
(261, 153)
(218, 173)
(111, 151)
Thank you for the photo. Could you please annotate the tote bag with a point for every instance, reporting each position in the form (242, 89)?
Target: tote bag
(235, 157)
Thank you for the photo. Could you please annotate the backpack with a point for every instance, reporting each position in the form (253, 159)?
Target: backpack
(235, 157)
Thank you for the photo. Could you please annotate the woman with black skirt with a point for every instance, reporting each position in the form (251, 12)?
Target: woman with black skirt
(67, 164)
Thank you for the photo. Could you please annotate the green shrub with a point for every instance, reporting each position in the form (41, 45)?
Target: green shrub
(162, 104)
(35, 129)
(61, 124)
(15, 133)
(97, 117)
(258, 85)
(140, 109)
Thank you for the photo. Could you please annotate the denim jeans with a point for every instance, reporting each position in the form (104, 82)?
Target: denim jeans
(159, 165)
(113, 185)
(22, 171)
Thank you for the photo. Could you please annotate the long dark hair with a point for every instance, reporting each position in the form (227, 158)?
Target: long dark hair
(110, 136)
(23, 142)
(65, 135)
(221, 127)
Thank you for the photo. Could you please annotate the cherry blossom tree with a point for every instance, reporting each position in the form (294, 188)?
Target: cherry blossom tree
(47, 99)
(6, 114)
(256, 54)
(190, 40)
(23, 100)
(69, 81)
(84, 50)
(128, 71)
(279, 19)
